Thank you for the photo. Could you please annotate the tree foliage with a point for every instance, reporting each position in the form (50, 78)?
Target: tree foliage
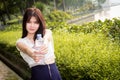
(16, 7)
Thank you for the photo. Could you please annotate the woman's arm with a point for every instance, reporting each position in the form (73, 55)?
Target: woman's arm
(30, 51)
(25, 49)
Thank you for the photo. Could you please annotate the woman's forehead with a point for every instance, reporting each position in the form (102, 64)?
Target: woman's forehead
(34, 18)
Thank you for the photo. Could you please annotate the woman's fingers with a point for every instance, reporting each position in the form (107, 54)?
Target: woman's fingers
(37, 58)
(44, 49)
(39, 54)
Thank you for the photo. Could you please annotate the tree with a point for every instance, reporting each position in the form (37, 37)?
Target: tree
(6, 8)
(2, 11)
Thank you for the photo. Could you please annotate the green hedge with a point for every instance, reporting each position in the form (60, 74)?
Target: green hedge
(87, 56)
(110, 28)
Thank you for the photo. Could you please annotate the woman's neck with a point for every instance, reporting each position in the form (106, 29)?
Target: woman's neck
(30, 36)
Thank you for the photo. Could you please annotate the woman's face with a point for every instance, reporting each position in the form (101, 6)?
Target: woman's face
(32, 25)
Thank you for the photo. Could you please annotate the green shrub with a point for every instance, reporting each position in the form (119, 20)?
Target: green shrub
(8, 41)
(87, 56)
(40, 5)
(110, 28)
(115, 29)
(13, 27)
(58, 16)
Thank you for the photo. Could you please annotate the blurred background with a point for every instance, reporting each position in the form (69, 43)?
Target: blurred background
(10, 9)
(86, 38)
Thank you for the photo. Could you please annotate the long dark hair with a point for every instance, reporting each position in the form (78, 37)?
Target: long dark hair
(38, 15)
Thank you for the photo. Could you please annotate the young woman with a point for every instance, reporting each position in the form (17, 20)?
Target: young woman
(33, 24)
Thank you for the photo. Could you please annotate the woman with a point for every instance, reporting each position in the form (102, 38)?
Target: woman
(33, 24)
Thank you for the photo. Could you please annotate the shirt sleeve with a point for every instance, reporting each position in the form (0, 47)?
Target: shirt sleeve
(19, 40)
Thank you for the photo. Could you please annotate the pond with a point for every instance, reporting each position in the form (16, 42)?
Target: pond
(108, 13)
(105, 13)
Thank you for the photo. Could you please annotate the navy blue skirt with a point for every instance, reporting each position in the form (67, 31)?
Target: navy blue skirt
(45, 72)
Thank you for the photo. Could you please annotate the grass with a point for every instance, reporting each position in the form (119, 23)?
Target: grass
(9, 37)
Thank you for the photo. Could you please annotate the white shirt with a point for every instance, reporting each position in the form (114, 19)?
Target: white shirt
(48, 59)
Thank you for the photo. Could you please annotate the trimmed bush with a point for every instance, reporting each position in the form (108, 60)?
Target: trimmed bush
(87, 56)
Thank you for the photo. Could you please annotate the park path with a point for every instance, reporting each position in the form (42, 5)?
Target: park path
(7, 74)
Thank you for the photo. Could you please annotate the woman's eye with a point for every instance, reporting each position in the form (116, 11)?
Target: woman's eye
(28, 21)
(36, 23)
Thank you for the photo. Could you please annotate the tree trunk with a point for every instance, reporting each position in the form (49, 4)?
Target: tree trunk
(63, 5)
(21, 10)
(55, 7)
(3, 20)
(6, 9)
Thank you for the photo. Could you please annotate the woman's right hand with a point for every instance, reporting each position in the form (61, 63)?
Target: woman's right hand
(37, 57)
(39, 52)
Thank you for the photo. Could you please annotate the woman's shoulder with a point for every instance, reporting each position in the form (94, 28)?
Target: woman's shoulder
(20, 40)
(48, 31)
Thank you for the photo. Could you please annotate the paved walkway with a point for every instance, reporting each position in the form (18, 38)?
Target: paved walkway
(7, 74)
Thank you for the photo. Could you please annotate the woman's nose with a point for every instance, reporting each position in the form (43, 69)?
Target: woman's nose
(32, 24)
